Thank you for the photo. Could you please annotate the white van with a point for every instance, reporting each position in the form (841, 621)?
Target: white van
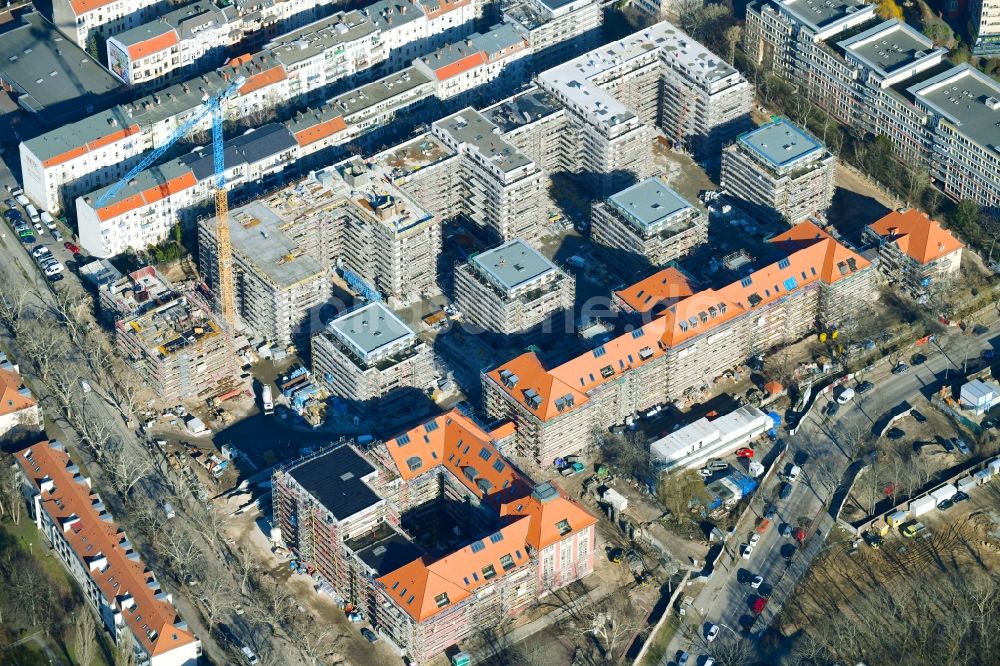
(845, 396)
(32, 212)
(48, 220)
(793, 473)
(249, 656)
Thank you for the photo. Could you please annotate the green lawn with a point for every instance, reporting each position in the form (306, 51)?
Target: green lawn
(661, 640)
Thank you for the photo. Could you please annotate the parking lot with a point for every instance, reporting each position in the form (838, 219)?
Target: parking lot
(45, 238)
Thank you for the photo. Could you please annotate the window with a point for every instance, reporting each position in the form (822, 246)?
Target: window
(489, 571)
(414, 463)
(442, 600)
(507, 562)
(477, 546)
(784, 263)
(563, 527)
(403, 439)
(790, 284)
(470, 472)
(638, 333)
(813, 269)
(499, 466)
(599, 352)
(431, 426)
(496, 538)
(485, 454)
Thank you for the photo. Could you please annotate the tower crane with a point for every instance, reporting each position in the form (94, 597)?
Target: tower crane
(213, 106)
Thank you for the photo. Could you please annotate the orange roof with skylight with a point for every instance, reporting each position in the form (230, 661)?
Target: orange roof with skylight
(552, 515)
(917, 235)
(662, 288)
(11, 398)
(148, 196)
(119, 574)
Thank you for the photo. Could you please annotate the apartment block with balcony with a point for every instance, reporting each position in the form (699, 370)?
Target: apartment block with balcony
(499, 188)
(179, 44)
(690, 336)
(557, 30)
(367, 354)
(778, 172)
(985, 21)
(130, 602)
(82, 20)
(414, 28)
(512, 289)
(647, 224)
(915, 252)
(171, 337)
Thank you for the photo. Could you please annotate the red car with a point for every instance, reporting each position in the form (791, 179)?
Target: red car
(745, 452)
(758, 605)
(72, 248)
(799, 534)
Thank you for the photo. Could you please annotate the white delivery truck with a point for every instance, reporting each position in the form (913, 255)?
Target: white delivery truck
(265, 397)
(945, 492)
(922, 505)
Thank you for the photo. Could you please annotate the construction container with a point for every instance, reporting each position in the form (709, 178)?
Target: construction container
(983, 475)
(615, 499)
(994, 466)
(945, 492)
(966, 484)
(896, 518)
(922, 505)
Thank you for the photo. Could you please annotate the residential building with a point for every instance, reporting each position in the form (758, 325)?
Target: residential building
(19, 411)
(51, 78)
(278, 283)
(778, 172)
(704, 102)
(914, 251)
(82, 20)
(512, 289)
(691, 446)
(647, 224)
(367, 355)
(319, 57)
(985, 20)
(480, 67)
(178, 45)
(414, 28)
(496, 186)
(144, 212)
(263, 21)
(688, 336)
(537, 124)
(129, 599)
(171, 337)
(557, 29)
(371, 534)
(964, 105)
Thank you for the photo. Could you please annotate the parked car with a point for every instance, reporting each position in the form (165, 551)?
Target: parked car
(40, 250)
(759, 604)
(754, 538)
(873, 540)
(10, 203)
(746, 452)
(918, 359)
(865, 386)
(57, 235)
(39, 228)
(770, 512)
(832, 409)
(249, 656)
(746, 550)
(757, 582)
(785, 530)
(27, 238)
(845, 396)
(962, 447)
(793, 472)
(988, 424)
(912, 529)
(11, 215)
(944, 505)
(948, 445)
(900, 368)
(72, 248)
(705, 472)
(682, 658)
(799, 534)
(370, 635)
(959, 497)
(712, 632)
(920, 418)
(717, 465)
(785, 490)
(55, 277)
(895, 434)
(978, 329)
(788, 551)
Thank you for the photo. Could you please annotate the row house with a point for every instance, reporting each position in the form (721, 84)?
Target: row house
(177, 45)
(19, 410)
(688, 336)
(915, 251)
(131, 603)
(264, 20)
(82, 20)
(144, 212)
(413, 28)
(557, 30)
(516, 541)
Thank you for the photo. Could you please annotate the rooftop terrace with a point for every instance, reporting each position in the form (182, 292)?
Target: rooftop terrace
(888, 46)
(522, 109)
(822, 13)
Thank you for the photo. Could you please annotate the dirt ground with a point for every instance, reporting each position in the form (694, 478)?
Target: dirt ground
(682, 173)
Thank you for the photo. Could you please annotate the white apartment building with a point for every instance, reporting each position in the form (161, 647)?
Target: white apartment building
(266, 19)
(179, 44)
(322, 53)
(129, 600)
(984, 15)
(79, 19)
(144, 211)
(779, 172)
(693, 445)
(557, 29)
(413, 28)
(480, 66)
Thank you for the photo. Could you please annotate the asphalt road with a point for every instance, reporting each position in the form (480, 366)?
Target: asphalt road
(725, 600)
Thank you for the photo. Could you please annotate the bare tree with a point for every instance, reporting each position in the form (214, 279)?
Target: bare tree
(11, 500)
(217, 599)
(319, 641)
(677, 491)
(13, 304)
(127, 466)
(85, 639)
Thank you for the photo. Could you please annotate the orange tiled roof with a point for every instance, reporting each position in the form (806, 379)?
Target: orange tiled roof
(462, 447)
(147, 196)
(661, 288)
(11, 399)
(153, 45)
(93, 145)
(418, 586)
(320, 131)
(459, 66)
(443, 7)
(917, 235)
(263, 79)
(125, 580)
(84, 6)
(813, 256)
(546, 516)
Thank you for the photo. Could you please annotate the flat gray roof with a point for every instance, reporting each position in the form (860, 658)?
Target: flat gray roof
(888, 46)
(185, 20)
(371, 94)
(75, 135)
(961, 95)
(321, 36)
(51, 75)
(649, 203)
(523, 108)
(370, 328)
(389, 14)
(820, 13)
(471, 127)
(150, 178)
(781, 143)
(513, 264)
(256, 234)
